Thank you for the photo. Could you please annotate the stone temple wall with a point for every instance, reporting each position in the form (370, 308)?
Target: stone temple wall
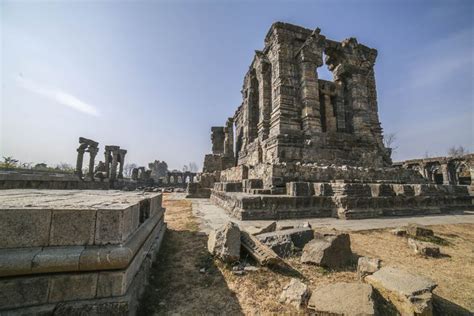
(307, 147)
(289, 115)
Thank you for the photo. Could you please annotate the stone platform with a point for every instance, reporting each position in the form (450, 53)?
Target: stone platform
(339, 199)
(66, 252)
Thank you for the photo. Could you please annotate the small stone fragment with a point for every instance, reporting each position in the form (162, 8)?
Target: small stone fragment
(399, 231)
(367, 266)
(343, 299)
(295, 293)
(251, 268)
(330, 251)
(419, 231)
(224, 242)
(424, 248)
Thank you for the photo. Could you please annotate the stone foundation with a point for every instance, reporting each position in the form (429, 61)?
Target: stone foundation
(342, 200)
(77, 251)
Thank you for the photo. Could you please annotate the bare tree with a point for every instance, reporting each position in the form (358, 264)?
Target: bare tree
(457, 151)
(127, 169)
(389, 141)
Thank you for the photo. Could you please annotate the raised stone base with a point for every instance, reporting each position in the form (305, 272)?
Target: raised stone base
(342, 200)
(103, 274)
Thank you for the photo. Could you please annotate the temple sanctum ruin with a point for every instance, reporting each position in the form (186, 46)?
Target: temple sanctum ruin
(299, 146)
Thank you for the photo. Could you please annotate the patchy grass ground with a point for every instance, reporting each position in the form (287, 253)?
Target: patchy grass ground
(178, 286)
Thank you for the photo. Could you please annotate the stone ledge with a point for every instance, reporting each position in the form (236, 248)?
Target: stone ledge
(41, 218)
(24, 261)
(43, 291)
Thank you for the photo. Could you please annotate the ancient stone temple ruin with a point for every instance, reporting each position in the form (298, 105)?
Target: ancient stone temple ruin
(300, 146)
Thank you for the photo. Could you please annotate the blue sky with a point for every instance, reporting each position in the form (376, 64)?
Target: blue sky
(154, 76)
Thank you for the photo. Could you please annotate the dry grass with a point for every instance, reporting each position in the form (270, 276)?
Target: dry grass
(454, 271)
(177, 286)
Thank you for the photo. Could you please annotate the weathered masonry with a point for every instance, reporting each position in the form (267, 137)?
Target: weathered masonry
(300, 146)
(443, 170)
(72, 252)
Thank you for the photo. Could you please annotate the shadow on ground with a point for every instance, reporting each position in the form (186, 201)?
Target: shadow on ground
(177, 282)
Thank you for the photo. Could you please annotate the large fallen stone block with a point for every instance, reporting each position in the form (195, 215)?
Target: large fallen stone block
(295, 293)
(424, 248)
(280, 244)
(260, 252)
(419, 230)
(367, 266)
(330, 251)
(343, 299)
(409, 293)
(224, 242)
(299, 236)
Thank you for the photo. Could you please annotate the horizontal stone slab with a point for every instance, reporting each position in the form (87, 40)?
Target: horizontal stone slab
(42, 218)
(23, 261)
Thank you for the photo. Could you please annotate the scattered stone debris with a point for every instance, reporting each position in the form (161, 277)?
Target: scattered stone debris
(419, 231)
(261, 253)
(367, 266)
(399, 231)
(330, 250)
(424, 248)
(343, 299)
(409, 293)
(224, 242)
(283, 242)
(295, 293)
(259, 230)
(280, 244)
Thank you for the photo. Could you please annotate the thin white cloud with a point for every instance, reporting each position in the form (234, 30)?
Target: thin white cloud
(58, 96)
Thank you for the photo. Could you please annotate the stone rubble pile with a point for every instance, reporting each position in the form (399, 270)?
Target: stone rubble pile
(381, 290)
(418, 239)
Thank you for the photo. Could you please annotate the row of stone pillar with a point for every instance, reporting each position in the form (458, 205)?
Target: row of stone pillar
(114, 157)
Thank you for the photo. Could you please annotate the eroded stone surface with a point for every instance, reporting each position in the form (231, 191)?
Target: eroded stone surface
(295, 293)
(424, 248)
(367, 266)
(349, 299)
(332, 251)
(419, 231)
(224, 242)
(411, 294)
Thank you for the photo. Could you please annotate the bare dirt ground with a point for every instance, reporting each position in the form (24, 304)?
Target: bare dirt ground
(178, 287)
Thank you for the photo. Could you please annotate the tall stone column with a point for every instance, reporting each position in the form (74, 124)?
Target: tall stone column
(229, 138)
(122, 153)
(107, 161)
(111, 165)
(445, 172)
(113, 170)
(80, 159)
(264, 76)
(331, 124)
(92, 153)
